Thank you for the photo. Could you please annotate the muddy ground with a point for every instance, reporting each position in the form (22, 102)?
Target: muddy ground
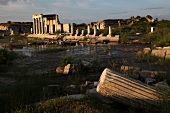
(46, 63)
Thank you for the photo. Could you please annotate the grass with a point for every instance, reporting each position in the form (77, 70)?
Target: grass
(87, 105)
(6, 56)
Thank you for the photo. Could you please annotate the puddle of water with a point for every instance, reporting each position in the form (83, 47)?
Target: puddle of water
(1, 47)
(27, 51)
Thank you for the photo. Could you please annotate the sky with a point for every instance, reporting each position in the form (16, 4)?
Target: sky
(83, 11)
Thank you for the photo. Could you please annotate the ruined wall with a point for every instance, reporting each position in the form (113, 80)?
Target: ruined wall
(3, 27)
(66, 28)
(159, 52)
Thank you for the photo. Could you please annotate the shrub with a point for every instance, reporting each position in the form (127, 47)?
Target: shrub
(6, 56)
(67, 60)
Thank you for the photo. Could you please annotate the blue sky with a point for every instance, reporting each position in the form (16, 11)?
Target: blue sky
(79, 11)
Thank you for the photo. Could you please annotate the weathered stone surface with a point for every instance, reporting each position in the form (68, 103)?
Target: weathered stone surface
(139, 53)
(71, 86)
(88, 83)
(135, 73)
(166, 48)
(146, 50)
(59, 70)
(125, 89)
(67, 69)
(160, 48)
(167, 57)
(153, 74)
(158, 53)
(150, 81)
(95, 83)
(93, 92)
(126, 68)
(85, 63)
(161, 52)
(167, 54)
(162, 85)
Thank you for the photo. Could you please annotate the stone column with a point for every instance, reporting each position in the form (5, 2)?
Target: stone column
(33, 26)
(39, 26)
(88, 29)
(51, 26)
(45, 26)
(152, 29)
(36, 26)
(110, 30)
(95, 30)
(82, 32)
(77, 32)
(98, 27)
(72, 31)
(42, 26)
(119, 23)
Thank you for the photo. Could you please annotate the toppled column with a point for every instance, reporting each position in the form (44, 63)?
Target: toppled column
(126, 90)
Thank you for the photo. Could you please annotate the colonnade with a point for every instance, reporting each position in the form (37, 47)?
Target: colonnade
(38, 27)
(88, 31)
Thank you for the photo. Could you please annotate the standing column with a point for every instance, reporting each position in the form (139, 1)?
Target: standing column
(45, 26)
(39, 26)
(36, 26)
(51, 25)
(95, 30)
(77, 32)
(72, 30)
(110, 30)
(33, 26)
(98, 27)
(88, 29)
(42, 28)
(82, 33)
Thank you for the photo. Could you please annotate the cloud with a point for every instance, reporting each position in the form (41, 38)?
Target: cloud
(18, 6)
(5, 2)
(117, 13)
(20, 10)
(74, 4)
(62, 4)
(153, 8)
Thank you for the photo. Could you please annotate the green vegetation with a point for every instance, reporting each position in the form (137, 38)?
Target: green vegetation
(87, 105)
(67, 60)
(6, 56)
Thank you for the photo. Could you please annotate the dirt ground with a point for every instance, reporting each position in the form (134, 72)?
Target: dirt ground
(46, 63)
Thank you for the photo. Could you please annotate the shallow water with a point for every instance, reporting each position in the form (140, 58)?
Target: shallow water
(26, 51)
